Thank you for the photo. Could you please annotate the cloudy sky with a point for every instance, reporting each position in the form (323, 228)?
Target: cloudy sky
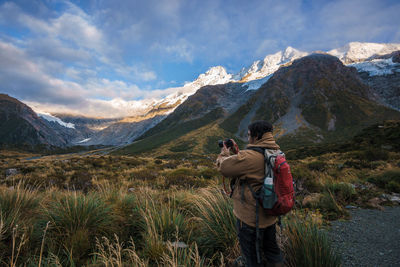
(97, 56)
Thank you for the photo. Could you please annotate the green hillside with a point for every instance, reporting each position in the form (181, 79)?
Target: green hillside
(171, 134)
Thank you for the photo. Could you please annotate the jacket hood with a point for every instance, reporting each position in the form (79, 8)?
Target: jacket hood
(267, 141)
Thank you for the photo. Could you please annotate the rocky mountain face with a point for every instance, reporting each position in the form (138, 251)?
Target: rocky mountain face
(122, 133)
(317, 96)
(382, 74)
(252, 78)
(224, 97)
(314, 99)
(20, 125)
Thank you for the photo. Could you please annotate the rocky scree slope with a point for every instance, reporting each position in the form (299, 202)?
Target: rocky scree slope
(317, 94)
(382, 74)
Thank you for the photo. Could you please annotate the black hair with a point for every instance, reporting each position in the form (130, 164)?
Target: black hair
(258, 128)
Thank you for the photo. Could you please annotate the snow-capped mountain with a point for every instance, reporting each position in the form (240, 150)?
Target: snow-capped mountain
(357, 52)
(365, 57)
(271, 63)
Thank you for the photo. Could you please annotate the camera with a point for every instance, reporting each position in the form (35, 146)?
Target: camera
(228, 143)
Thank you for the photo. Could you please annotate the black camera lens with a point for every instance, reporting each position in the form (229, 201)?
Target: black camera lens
(228, 143)
(220, 143)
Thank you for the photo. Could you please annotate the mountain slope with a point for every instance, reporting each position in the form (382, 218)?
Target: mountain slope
(225, 96)
(163, 137)
(316, 93)
(20, 126)
(382, 74)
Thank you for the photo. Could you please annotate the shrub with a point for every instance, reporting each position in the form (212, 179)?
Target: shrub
(376, 154)
(389, 180)
(317, 165)
(331, 209)
(343, 192)
(209, 173)
(143, 174)
(184, 177)
(357, 164)
(369, 155)
(303, 174)
(393, 186)
(306, 245)
(80, 180)
(183, 173)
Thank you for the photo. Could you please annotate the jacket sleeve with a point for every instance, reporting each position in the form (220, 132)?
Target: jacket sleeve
(234, 166)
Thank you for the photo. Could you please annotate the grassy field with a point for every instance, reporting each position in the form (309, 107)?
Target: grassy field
(168, 209)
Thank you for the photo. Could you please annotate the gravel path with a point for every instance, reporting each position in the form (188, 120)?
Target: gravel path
(370, 238)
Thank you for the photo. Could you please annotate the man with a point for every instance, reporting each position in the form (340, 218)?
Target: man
(247, 167)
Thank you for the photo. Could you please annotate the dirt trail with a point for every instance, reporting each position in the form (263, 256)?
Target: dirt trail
(370, 238)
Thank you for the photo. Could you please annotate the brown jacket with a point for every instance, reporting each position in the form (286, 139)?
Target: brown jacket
(248, 164)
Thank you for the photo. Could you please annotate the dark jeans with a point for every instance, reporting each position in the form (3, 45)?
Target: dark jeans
(269, 249)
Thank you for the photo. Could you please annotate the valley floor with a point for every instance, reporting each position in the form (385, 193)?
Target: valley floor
(370, 238)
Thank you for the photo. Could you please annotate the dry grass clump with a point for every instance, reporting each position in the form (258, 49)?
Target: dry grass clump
(75, 220)
(112, 253)
(18, 210)
(216, 224)
(306, 244)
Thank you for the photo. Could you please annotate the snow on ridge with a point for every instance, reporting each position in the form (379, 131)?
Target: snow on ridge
(256, 84)
(271, 63)
(84, 141)
(356, 52)
(214, 75)
(377, 67)
(51, 118)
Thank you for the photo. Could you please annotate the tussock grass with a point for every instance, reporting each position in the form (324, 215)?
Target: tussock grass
(161, 223)
(18, 211)
(75, 221)
(216, 223)
(307, 245)
(176, 257)
(112, 253)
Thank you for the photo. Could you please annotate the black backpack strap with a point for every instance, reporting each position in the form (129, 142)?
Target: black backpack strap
(258, 149)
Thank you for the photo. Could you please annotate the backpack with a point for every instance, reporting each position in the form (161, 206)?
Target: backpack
(276, 195)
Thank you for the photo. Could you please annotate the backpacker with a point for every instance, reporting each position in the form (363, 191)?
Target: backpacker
(276, 195)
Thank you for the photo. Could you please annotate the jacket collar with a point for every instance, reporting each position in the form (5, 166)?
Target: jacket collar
(267, 141)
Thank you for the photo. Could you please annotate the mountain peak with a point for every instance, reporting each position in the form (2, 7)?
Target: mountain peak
(214, 75)
(271, 63)
(356, 52)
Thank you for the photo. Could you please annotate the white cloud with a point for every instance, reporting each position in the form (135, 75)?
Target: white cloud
(22, 78)
(181, 50)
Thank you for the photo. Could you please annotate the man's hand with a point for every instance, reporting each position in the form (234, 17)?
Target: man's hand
(235, 148)
(227, 151)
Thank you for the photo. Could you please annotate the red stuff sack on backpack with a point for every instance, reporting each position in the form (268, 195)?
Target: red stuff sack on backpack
(283, 187)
